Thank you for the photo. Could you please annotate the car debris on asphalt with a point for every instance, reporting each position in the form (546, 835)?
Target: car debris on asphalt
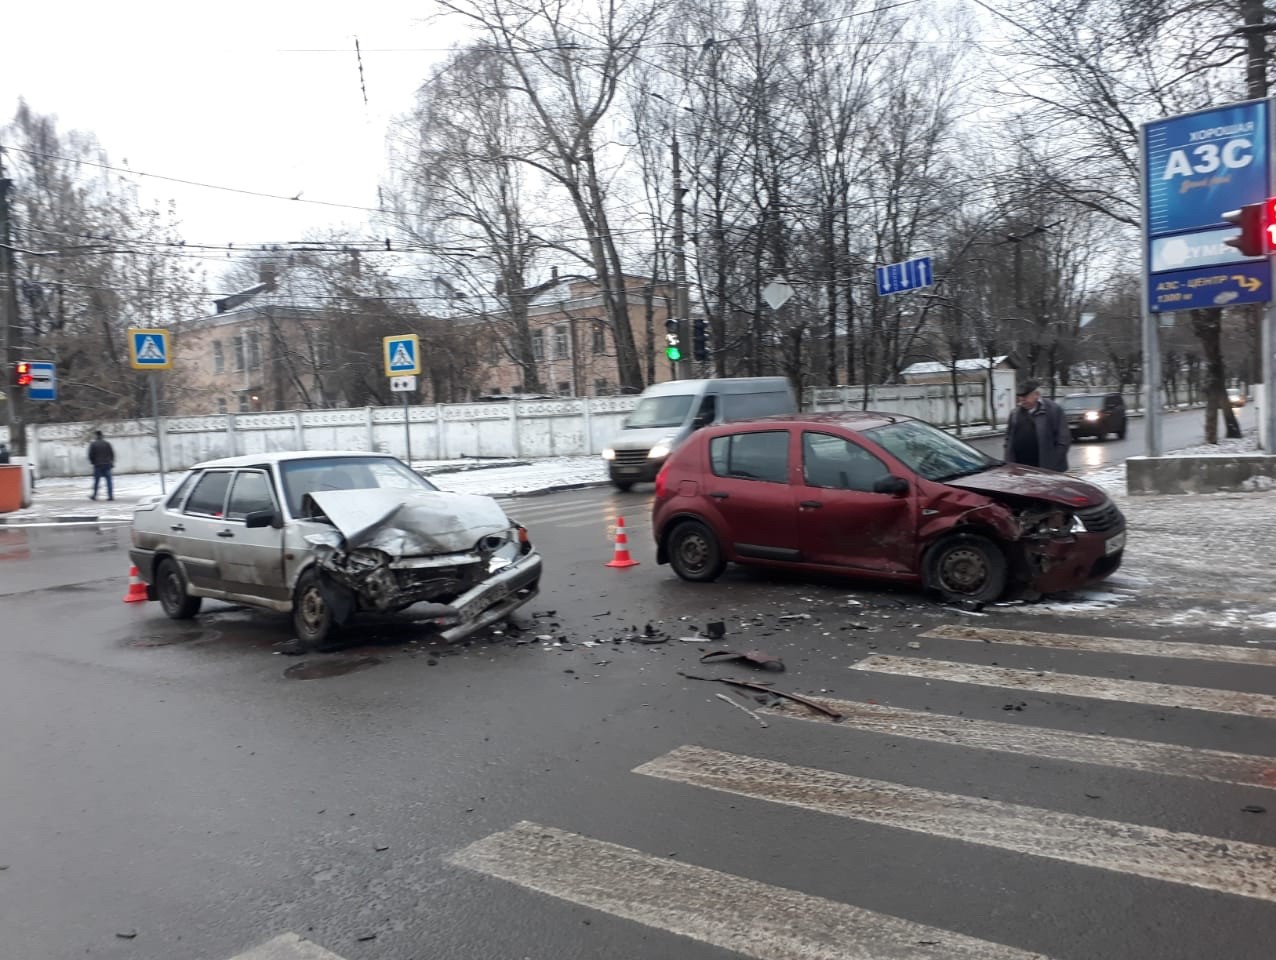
(740, 706)
(754, 658)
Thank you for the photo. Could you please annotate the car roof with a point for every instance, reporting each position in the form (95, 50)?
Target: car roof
(857, 420)
(257, 459)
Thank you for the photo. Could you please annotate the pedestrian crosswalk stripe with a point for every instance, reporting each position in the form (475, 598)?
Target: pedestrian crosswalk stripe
(1167, 759)
(1228, 866)
(753, 919)
(289, 946)
(1256, 656)
(1072, 685)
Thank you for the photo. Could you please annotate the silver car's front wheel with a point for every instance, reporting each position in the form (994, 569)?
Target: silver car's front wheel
(311, 616)
(170, 587)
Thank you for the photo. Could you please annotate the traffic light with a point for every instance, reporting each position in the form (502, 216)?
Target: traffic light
(21, 373)
(700, 339)
(1257, 223)
(673, 346)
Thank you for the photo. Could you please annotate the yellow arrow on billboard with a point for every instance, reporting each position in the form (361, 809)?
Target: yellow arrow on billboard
(1249, 284)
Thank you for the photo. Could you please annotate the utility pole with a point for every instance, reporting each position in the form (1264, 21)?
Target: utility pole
(681, 307)
(12, 325)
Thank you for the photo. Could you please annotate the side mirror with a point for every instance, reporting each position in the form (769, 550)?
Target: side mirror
(895, 486)
(263, 518)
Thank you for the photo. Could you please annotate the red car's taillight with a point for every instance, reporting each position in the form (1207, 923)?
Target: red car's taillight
(660, 482)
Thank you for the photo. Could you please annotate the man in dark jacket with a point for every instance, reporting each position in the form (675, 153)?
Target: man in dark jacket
(102, 456)
(1037, 432)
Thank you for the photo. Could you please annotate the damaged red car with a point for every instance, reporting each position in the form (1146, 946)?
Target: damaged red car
(880, 496)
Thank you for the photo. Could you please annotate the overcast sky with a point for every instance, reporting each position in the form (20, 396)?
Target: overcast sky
(260, 96)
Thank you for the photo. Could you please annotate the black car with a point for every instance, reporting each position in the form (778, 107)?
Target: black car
(1095, 414)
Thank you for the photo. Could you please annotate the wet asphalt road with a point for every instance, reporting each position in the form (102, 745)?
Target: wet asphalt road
(181, 790)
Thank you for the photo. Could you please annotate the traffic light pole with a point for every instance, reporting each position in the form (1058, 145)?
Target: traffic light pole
(680, 305)
(1151, 333)
(12, 326)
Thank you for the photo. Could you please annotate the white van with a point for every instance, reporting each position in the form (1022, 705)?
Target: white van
(667, 413)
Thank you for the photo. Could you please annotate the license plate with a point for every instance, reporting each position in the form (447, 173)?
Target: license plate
(1114, 544)
(629, 470)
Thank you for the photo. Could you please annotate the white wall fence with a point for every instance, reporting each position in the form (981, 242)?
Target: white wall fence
(522, 428)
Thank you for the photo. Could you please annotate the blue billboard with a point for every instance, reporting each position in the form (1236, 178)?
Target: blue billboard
(1196, 167)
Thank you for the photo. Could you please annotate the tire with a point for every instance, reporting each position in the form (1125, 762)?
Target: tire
(966, 567)
(694, 552)
(624, 486)
(312, 617)
(1121, 432)
(170, 590)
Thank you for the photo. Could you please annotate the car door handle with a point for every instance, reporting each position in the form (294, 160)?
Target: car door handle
(719, 495)
(225, 533)
(810, 504)
(177, 528)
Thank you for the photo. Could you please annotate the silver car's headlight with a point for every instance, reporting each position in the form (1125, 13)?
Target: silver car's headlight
(661, 449)
(609, 453)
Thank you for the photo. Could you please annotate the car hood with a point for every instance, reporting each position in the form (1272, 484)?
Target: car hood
(1021, 481)
(411, 524)
(641, 438)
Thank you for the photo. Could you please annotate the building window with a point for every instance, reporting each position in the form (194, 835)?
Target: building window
(494, 353)
(538, 344)
(561, 349)
(602, 388)
(221, 404)
(254, 350)
(243, 403)
(600, 337)
(564, 388)
(237, 348)
(219, 357)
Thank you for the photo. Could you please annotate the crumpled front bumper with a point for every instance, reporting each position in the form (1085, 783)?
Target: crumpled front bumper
(494, 599)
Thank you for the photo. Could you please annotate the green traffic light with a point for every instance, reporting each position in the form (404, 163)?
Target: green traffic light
(673, 353)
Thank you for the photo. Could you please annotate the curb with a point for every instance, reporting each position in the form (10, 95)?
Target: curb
(467, 468)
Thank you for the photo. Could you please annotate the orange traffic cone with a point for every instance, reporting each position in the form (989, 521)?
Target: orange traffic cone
(136, 588)
(622, 558)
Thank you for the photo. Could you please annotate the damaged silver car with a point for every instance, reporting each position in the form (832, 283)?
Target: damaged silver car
(325, 536)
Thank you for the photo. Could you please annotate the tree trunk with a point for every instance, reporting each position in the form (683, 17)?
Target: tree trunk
(1207, 324)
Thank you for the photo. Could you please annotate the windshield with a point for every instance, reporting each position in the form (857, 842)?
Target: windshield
(929, 452)
(301, 477)
(1077, 404)
(668, 411)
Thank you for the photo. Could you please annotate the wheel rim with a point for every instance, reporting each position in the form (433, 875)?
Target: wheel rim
(963, 570)
(694, 552)
(312, 610)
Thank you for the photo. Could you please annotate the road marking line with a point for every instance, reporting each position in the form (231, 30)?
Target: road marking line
(1166, 759)
(1140, 648)
(735, 913)
(1228, 866)
(1072, 685)
(288, 946)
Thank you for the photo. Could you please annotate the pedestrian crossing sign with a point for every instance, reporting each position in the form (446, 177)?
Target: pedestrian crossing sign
(402, 355)
(148, 349)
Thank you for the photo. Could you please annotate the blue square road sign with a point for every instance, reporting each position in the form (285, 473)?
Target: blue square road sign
(402, 355)
(148, 349)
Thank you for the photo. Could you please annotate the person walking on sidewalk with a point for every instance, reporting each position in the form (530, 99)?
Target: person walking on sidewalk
(102, 456)
(1037, 432)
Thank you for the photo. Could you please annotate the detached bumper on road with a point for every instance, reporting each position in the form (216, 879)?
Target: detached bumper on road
(495, 598)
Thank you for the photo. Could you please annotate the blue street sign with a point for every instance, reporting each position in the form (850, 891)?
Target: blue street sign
(148, 349)
(1196, 167)
(44, 381)
(901, 277)
(1224, 286)
(402, 355)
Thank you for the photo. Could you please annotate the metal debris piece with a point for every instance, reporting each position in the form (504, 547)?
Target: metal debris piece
(754, 658)
(740, 706)
(763, 688)
(794, 616)
(913, 645)
(1253, 808)
(715, 630)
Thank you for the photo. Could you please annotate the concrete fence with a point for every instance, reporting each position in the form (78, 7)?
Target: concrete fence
(522, 428)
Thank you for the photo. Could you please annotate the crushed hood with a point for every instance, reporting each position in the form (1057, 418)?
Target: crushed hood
(1021, 481)
(409, 523)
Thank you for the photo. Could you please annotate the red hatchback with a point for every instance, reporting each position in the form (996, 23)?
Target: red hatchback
(882, 496)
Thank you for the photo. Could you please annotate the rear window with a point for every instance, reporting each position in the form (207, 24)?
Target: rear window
(209, 496)
(751, 456)
(748, 406)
